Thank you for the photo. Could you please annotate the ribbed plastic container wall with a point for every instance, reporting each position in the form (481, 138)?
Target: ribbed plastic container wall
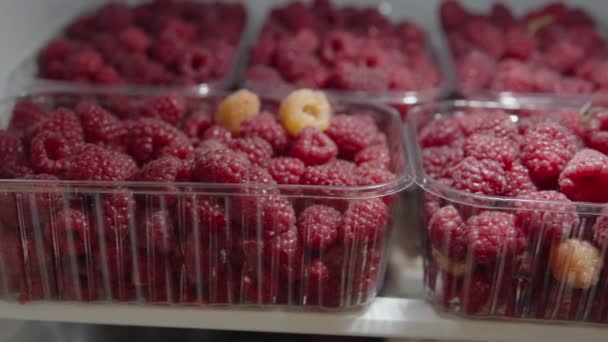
(548, 277)
(228, 258)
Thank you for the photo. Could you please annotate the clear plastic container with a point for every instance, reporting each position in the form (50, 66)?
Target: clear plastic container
(535, 276)
(26, 79)
(235, 261)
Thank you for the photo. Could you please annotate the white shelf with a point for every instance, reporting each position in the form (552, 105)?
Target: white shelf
(387, 317)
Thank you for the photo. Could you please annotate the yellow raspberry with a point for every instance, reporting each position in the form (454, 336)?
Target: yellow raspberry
(576, 263)
(456, 268)
(305, 108)
(237, 108)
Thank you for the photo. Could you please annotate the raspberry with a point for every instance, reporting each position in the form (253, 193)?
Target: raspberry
(269, 215)
(483, 146)
(485, 176)
(564, 55)
(514, 76)
(348, 76)
(63, 122)
(203, 213)
(378, 154)
(475, 70)
(196, 64)
(438, 161)
(134, 39)
(364, 221)
(545, 220)
(149, 136)
(352, 133)
(168, 107)
(286, 170)
(26, 114)
(486, 36)
(596, 134)
(318, 225)
(257, 150)
(101, 127)
(585, 177)
(218, 133)
(502, 16)
(452, 14)
(260, 290)
(237, 108)
(265, 126)
(576, 263)
(56, 50)
(518, 181)
(211, 264)
(519, 44)
(167, 49)
(180, 148)
(285, 252)
(70, 231)
(491, 235)
(447, 233)
(49, 153)
(118, 261)
(153, 276)
(338, 46)
(292, 63)
(328, 175)
(600, 229)
(313, 147)
(10, 146)
(442, 131)
(116, 209)
(220, 166)
(156, 232)
(476, 293)
(546, 150)
(15, 167)
(196, 124)
(84, 63)
(371, 174)
(81, 284)
(264, 74)
(163, 170)
(96, 163)
(305, 108)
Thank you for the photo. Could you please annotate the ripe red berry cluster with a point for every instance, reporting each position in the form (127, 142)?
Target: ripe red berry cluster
(157, 43)
(160, 241)
(346, 48)
(536, 255)
(553, 49)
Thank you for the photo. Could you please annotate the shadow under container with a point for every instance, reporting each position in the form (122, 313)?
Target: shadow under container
(540, 276)
(58, 244)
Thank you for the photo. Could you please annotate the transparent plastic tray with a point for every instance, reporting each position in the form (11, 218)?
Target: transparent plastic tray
(207, 263)
(516, 286)
(24, 79)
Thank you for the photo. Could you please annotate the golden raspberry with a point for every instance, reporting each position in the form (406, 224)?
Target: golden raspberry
(456, 268)
(576, 263)
(237, 108)
(305, 108)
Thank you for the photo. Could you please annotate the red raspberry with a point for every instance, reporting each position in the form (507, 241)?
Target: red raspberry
(502, 16)
(596, 134)
(208, 258)
(338, 46)
(513, 76)
(476, 294)
(543, 218)
(354, 77)
(328, 175)
(220, 166)
(15, 167)
(203, 213)
(483, 146)
(265, 126)
(167, 49)
(63, 122)
(153, 276)
(585, 177)
(318, 225)
(25, 115)
(270, 215)
(371, 174)
(81, 284)
(378, 154)
(452, 14)
(292, 64)
(196, 124)
(491, 235)
(117, 209)
(168, 107)
(352, 133)
(438, 161)
(442, 131)
(286, 170)
(364, 222)
(564, 55)
(84, 63)
(163, 170)
(318, 276)
(264, 74)
(571, 85)
(196, 64)
(257, 150)
(546, 150)
(313, 147)
(156, 232)
(284, 250)
(486, 36)
(134, 39)
(101, 127)
(97, 163)
(519, 44)
(149, 136)
(600, 229)
(484, 177)
(10, 145)
(56, 50)
(118, 261)
(447, 233)
(70, 231)
(219, 133)
(262, 289)
(518, 181)
(49, 153)
(475, 70)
